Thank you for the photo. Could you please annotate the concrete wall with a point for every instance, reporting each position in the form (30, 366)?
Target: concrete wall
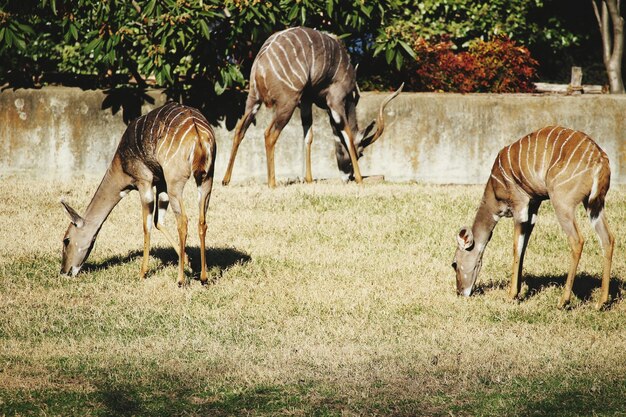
(429, 137)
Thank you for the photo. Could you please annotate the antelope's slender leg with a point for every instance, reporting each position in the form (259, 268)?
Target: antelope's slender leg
(181, 220)
(522, 232)
(240, 131)
(601, 226)
(281, 118)
(306, 115)
(162, 204)
(147, 208)
(566, 218)
(203, 205)
(518, 235)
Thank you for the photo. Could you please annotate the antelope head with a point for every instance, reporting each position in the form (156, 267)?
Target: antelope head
(77, 242)
(467, 262)
(363, 137)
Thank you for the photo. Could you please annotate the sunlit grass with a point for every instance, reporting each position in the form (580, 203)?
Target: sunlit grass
(324, 299)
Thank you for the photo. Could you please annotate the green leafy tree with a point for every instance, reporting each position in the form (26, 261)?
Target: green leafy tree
(204, 48)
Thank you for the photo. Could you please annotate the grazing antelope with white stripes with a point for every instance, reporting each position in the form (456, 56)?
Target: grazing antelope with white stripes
(161, 149)
(563, 165)
(298, 67)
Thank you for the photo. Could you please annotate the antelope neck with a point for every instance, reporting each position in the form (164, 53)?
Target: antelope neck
(104, 200)
(486, 218)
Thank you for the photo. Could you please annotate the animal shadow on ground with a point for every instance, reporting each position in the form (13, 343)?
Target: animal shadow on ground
(584, 285)
(220, 259)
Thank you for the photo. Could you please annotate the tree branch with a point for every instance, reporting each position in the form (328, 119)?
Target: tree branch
(597, 13)
(606, 34)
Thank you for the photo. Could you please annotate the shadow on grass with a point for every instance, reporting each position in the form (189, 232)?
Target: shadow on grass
(583, 288)
(554, 396)
(220, 259)
(168, 395)
(118, 400)
(174, 395)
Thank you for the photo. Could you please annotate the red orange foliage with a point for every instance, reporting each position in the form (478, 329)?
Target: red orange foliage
(498, 66)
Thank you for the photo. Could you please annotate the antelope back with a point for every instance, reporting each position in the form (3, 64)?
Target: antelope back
(551, 158)
(172, 136)
(297, 58)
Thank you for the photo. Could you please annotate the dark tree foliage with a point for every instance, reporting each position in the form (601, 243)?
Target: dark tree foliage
(201, 51)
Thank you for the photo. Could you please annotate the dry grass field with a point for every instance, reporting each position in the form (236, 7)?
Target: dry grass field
(325, 299)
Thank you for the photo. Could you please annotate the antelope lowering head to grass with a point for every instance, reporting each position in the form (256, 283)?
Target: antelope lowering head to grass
(563, 165)
(298, 67)
(160, 150)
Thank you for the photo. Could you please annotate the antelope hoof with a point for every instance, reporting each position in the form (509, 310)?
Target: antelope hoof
(225, 182)
(601, 305)
(563, 303)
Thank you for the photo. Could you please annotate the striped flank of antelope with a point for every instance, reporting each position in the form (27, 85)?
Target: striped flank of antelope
(297, 57)
(170, 134)
(549, 160)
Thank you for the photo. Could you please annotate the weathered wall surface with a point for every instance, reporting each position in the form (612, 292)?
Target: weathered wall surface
(436, 138)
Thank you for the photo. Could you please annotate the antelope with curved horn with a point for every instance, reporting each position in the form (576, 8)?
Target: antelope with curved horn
(161, 149)
(563, 165)
(296, 68)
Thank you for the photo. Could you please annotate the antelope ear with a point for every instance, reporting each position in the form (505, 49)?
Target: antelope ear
(71, 213)
(465, 238)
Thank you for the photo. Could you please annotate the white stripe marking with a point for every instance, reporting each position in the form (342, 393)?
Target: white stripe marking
(519, 161)
(506, 177)
(573, 177)
(180, 143)
(545, 150)
(288, 59)
(312, 53)
(536, 141)
(339, 63)
(323, 37)
(571, 156)
(193, 148)
(306, 61)
(561, 151)
(508, 153)
(287, 81)
(167, 132)
(296, 57)
(496, 178)
(154, 122)
(140, 137)
(173, 136)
